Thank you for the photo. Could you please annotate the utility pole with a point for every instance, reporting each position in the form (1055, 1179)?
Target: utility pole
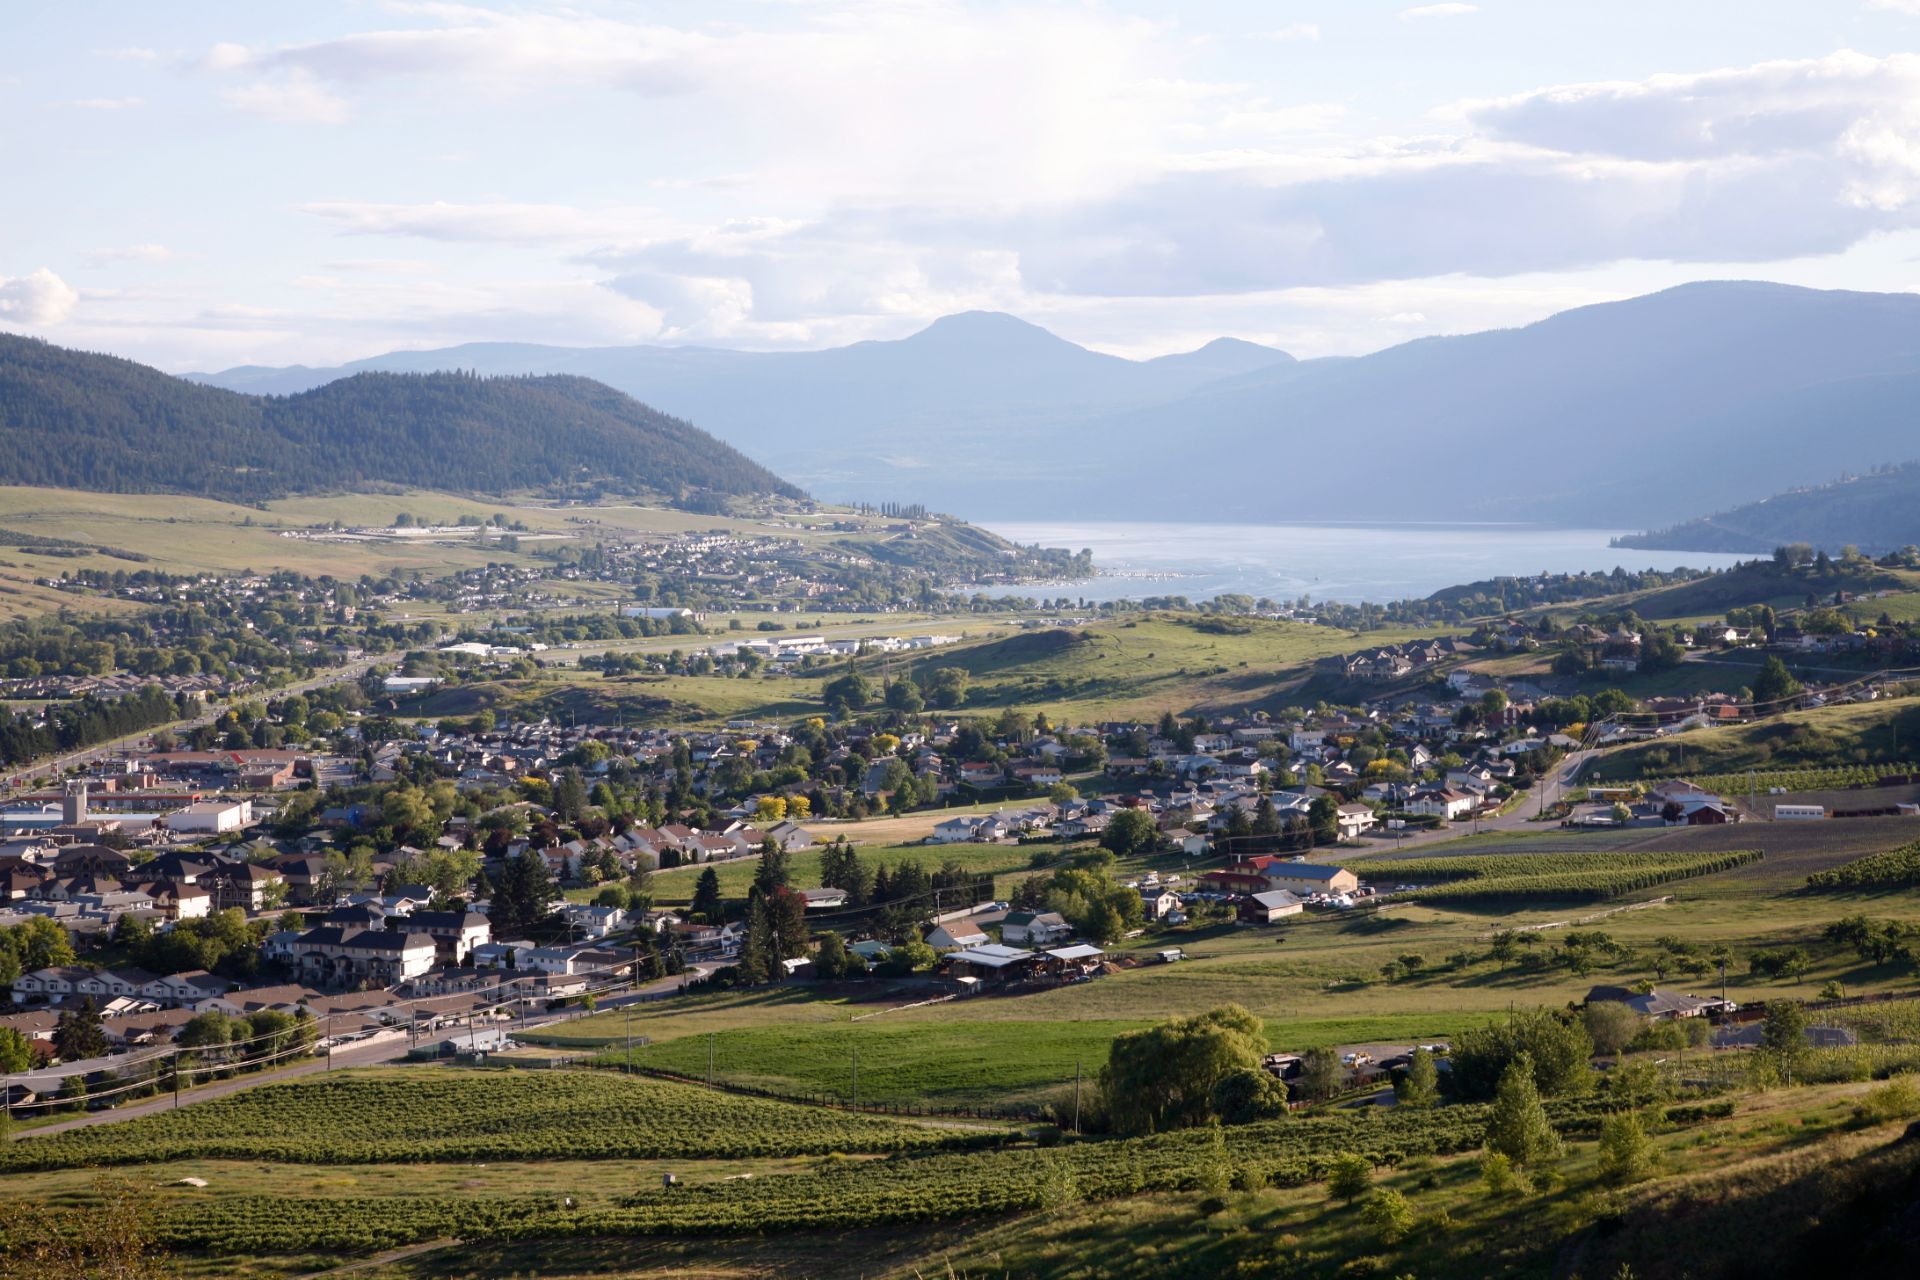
(1076, 1095)
(629, 1039)
(856, 1077)
(176, 1079)
(329, 1041)
(709, 1058)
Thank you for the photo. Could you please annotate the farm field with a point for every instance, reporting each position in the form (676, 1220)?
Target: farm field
(1234, 1199)
(411, 1116)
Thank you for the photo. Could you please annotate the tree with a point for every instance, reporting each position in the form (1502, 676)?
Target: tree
(1625, 1154)
(1420, 1088)
(707, 903)
(1248, 1094)
(525, 891)
(851, 692)
(78, 1035)
(1775, 684)
(758, 963)
(1784, 1038)
(1130, 832)
(15, 1054)
(1163, 1077)
(1557, 1048)
(830, 957)
(1349, 1176)
(1611, 1025)
(1321, 1075)
(1518, 1128)
(771, 875)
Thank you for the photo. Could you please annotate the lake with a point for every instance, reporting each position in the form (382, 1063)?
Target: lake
(1340, 562)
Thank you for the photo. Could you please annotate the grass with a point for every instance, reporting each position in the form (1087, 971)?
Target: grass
(1821, 737)
(676, 884)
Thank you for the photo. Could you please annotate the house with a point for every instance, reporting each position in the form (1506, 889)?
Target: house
(345, 956)
(957, 935)
(247, 885)
(455, 933)
(1355, 820)
(956, 830)
(1657, 1004)
(824, 899)
(1158, 902)
(790, 836)
(55, 983)
(1443, 802)
(1034, 928)
(1269, 907)
(1307, 877)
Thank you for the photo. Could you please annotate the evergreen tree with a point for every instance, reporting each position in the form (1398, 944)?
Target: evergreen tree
(78, 1034)
(830, 957)
(771, 875)
(1518, 1127)
(758, 962)
(526, 889)
(1625, 1154)
(707, 903)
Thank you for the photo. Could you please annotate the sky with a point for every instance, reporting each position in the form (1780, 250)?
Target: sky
(200, 186)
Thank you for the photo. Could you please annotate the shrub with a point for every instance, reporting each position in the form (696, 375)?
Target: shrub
(1389, 1214)
(1349, 1176)
(1625, 1154)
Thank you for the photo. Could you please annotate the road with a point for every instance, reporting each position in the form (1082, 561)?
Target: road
(382, 1048)
(56, 765)
(1546, 792)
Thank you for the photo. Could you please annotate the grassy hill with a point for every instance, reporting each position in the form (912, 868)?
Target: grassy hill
(1824, 737)
(86, 421)
(1765, 582)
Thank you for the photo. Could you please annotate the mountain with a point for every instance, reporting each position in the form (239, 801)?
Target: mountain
(1623, 415)
(935, 416)
(1878, 513)
(85, 421)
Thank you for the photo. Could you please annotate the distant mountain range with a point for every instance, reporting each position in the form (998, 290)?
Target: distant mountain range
(1623, 415)
(1878, 513)
(78, 420)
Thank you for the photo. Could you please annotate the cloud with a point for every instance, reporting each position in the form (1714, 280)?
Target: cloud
(864, 104)
(131, 253)
(1296, 31)
(1420, 11)
(1772, 108)
(293, 97)
(41, 298)
(107, 104)
(503, 223)
(1897, 6)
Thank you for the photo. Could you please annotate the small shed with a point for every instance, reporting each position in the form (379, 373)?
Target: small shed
(1269, 907)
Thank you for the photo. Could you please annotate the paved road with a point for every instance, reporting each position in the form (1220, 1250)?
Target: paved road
(57, 765)
(384, 1047)
(1547, 791)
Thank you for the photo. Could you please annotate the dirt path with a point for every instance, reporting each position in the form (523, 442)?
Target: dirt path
(382, 1259)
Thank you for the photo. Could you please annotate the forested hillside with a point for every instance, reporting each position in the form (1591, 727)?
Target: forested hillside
(1878, 513)
(78, 420)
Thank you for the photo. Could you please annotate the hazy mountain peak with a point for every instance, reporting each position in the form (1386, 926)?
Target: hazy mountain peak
(985, 328)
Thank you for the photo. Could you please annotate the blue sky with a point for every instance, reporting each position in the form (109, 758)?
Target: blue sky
(215, 184)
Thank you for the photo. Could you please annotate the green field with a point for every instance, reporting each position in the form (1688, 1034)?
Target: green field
(411, 1117)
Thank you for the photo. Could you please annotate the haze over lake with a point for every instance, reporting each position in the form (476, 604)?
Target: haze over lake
(1341, 562)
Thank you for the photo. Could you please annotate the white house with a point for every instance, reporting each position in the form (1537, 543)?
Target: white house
(956, 830)
(956, 936)
(1034, 928)
(1355, 820)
